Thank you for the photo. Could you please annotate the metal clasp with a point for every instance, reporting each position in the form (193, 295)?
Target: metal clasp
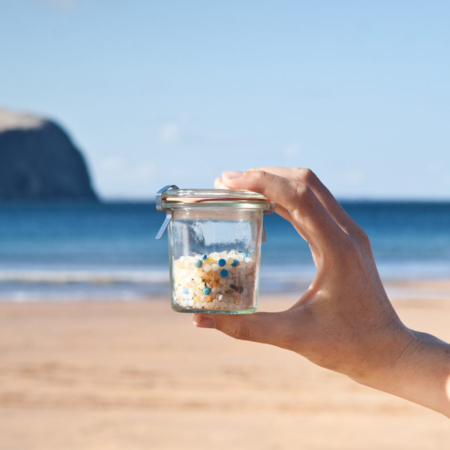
(159, 207)
(159, 194)
(271, 210)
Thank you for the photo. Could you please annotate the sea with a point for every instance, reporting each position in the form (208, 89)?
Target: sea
(108, 252)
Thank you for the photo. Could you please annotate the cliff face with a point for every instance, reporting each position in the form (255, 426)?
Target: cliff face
(39, 161)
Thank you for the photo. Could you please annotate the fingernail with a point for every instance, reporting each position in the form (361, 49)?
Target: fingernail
(233, 174)
(204, 322)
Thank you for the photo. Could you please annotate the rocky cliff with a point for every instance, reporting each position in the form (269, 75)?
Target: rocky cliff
(39, 161)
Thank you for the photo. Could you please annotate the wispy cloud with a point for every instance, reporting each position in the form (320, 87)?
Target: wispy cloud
(169, 133)
(354, 176)
(122, 170)
(119, 177)
(172, 132)
(62, 5)
(291, 151)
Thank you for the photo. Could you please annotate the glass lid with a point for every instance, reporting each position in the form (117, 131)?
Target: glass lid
(170, 197)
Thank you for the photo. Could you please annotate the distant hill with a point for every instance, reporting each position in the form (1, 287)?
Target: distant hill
(39, 161)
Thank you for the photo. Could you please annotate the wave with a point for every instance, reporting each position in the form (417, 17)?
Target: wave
(271, 275)
(89, 277)
(63, 284)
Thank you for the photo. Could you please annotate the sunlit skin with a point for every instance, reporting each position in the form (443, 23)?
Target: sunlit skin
(344, 321)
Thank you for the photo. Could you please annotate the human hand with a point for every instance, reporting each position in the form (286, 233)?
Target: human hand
(344, 321)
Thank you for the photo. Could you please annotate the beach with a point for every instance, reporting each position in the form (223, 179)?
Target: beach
(136, 375)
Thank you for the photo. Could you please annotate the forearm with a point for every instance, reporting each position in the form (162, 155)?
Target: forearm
(420, 372)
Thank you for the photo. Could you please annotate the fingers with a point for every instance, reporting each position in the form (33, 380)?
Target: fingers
(309, 178)
(266, 328)
(306, 212)
(219, 184)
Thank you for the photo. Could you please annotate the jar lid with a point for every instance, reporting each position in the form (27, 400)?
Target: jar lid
(170, 197)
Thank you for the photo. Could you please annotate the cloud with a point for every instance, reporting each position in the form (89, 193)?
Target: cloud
(291, 151)
(62, 5)
(116, 176)
(169, 134)
(354, 176)
(121, 170)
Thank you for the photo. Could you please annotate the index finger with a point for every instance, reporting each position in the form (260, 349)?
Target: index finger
(308, 177)
(307, 213)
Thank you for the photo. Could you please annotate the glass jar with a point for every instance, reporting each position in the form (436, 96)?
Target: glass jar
(214, 248)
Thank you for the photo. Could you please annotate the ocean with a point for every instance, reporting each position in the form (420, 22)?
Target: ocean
(108, 251)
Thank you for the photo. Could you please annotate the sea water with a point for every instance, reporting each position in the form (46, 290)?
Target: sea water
(107, 251)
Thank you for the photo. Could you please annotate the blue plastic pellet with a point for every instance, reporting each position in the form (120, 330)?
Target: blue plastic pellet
(204, 256)
(245, 255)
(207, 291)
(198, 263)
(235, 263)
(185, 291)
(221, 262)
(224, 273)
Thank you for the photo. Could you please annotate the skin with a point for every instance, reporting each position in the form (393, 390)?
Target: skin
(344, 321)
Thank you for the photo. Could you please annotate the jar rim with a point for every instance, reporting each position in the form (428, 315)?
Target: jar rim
(228, 198)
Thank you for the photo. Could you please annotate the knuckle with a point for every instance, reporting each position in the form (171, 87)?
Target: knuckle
(363, 239)
(305, 175)
(303, 192)
(257, 175)
(302, 195)
(362, 236)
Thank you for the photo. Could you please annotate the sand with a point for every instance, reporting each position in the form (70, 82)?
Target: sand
(139, 376)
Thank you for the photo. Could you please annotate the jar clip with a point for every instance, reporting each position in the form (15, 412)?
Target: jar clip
(159, 207)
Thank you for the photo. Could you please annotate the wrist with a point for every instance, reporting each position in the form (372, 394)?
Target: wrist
(393, 348)
(415, 366)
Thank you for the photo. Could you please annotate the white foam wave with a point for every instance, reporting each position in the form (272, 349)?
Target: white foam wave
(91, 277)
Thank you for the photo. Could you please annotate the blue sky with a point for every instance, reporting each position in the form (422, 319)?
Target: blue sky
(158, 92)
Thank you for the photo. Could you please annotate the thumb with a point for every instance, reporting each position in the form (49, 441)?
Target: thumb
(266, 328)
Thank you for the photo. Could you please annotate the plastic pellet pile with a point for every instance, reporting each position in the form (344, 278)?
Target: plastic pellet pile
(218, 281)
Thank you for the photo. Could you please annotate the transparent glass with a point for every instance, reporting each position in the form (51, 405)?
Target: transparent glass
(215, 259)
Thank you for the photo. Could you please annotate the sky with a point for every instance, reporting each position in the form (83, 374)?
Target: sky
(174, 92)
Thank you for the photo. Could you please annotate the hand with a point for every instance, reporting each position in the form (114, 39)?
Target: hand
(344, 321)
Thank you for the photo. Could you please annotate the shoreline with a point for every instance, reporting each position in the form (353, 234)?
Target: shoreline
(402, 289)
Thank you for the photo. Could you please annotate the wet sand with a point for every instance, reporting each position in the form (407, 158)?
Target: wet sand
(139, 376)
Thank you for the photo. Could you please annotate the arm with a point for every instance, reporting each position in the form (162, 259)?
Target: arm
(344, 321)
(420, 374)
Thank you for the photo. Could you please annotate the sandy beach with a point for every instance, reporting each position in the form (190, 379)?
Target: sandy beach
(138, 376)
